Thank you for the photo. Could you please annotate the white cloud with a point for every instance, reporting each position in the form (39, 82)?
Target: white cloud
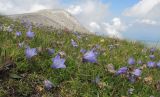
(146, 21)
(94, 27)
(75, 10)
(91, 14)
(88, 11)
(114, 28)
(143, 8)
(23, 6)
(36, 8)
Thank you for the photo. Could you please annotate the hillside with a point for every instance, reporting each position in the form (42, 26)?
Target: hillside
(82, 66)
(56, 18)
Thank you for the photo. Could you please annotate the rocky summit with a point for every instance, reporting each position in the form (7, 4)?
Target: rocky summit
(57, 18)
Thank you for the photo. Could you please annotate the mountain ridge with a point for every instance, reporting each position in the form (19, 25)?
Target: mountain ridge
(57, 18)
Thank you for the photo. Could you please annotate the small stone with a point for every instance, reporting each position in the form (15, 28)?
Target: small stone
(148, 79)
(101, 85)
(110, 68)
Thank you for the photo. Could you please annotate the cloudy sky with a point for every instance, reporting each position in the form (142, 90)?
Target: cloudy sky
(132, 19)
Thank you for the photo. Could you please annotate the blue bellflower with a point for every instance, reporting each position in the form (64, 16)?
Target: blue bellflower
(151, 64)
(30, 34)
(151, 57)
(82, 51)
(132, 78)
(58, 62)
(137, 72)
(50, 51)
(122, 70)
(74, 44)
(152, 50)
(139, 62)
(90, 56)
(48, 85)
(131, 61)
(158, 64)
(18, 34)
(30, 52)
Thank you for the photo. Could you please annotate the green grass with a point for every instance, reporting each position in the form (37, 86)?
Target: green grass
(75, 80)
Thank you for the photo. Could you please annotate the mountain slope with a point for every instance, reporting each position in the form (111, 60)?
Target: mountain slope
(21, 76)
(58, 19)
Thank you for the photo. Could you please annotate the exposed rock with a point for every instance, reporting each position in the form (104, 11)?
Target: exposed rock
(57, 18)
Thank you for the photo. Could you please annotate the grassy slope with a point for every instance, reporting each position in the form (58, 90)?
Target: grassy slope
(75, 80)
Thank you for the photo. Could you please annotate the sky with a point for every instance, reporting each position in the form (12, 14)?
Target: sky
(125, 19)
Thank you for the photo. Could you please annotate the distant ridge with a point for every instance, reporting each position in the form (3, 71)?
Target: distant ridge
(57, 18)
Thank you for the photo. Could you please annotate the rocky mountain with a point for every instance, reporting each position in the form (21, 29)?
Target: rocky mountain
(57, 18)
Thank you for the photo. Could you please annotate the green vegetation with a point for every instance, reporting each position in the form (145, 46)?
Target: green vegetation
(20, 77)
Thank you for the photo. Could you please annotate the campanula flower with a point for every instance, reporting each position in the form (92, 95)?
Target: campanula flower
(122, 70)
(30, 52)
(137, 72)
(90, 56)
(74, 44)
(151, 64)
(51, 51)
(132, 78)
(152, 57)
(75, 33)
(131, 61)
(152, 50)
(139, 62)
(82, 51)
(48, 85)
(158, 64)
(18, 34)
(58, 62)
(30, 34)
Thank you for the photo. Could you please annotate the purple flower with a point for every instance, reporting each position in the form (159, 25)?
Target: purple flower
(151, 64)
(90, 56)
(137, 72)
(132, 78)
(131, 61)
(158, 64)
(122, 70)
(75, 33)
(74, 44)
(30, 34)
(48, 85)
(30, 52)
(97, 46)
(79, 37)
(50, 51)
(139, 62)
(18, 34)
(152, 50)
(83, 51)
(152, 57)
(58, 62)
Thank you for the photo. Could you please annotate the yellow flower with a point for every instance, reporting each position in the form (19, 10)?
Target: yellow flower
(102, 40)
